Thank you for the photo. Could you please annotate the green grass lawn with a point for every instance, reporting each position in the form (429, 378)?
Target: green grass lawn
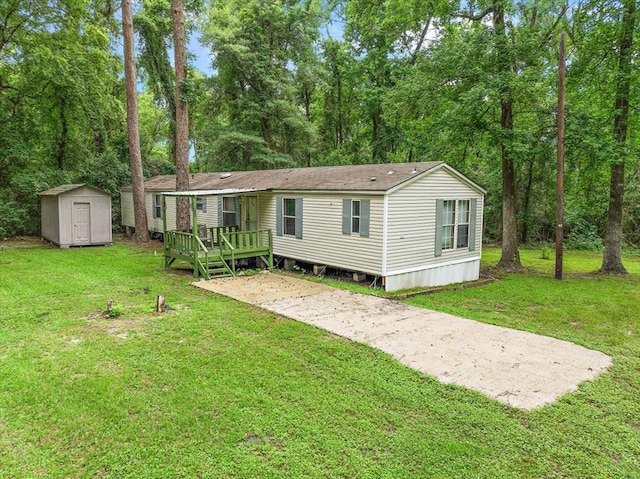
(216, 388)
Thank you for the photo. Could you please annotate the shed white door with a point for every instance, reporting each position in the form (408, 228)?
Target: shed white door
(81, 223)
(252, 213)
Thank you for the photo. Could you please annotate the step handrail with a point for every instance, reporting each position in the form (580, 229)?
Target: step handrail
(231, 248)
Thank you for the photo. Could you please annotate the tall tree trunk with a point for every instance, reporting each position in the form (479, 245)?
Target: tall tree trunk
(135, 159)
(64, 133)
(612, 258)
(339, 132)
(379, 140)
(526, 203)
(510, 258)
(182, 115)
(510, 255)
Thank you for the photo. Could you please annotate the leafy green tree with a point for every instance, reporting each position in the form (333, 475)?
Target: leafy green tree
(334, 103)
(261, 50)
(60, 103)
(481, 98)
(152, 22)
(612, 259)
(602, 84)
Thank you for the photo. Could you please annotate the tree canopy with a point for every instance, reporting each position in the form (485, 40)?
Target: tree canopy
(470, 83)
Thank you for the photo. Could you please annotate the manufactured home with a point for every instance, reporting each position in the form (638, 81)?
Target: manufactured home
(406, 224)
(76, 215)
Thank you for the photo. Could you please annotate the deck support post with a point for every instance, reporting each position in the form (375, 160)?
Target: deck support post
(164, 232)
(194, 238)
(357, 277)
(270, 249)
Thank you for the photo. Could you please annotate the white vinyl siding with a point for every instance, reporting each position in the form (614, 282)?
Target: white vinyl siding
(208, 218)
(436, 275)
(126, 208)
(322, 241)
(412, 221)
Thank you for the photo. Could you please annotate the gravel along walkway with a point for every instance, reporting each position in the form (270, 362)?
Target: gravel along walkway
(521, 369)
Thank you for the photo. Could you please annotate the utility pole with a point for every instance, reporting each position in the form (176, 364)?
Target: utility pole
(560, 174)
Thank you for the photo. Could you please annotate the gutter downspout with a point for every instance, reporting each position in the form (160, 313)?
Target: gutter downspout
(385, 224)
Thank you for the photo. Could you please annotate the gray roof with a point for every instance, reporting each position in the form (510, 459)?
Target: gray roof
(58, 190)
(379, 177)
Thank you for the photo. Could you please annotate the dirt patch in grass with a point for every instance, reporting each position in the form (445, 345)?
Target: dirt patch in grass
(22, 242)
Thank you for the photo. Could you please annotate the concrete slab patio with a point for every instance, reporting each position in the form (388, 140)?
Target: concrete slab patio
(520, 369)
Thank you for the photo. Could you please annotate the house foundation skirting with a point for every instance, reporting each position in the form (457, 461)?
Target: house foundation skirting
(439, 275)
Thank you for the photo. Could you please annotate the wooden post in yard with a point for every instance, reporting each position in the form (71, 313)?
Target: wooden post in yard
(160, 304)
(560, 174)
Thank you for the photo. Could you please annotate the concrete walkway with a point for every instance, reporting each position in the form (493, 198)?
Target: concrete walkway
(520, 369)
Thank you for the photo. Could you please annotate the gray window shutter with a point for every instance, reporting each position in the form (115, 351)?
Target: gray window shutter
(472, 224)
(278, 215)
(220, 223)
(365, 207)
(439, 212)
(205, 200)
(346, 216)
(298, 217)
(238, 212)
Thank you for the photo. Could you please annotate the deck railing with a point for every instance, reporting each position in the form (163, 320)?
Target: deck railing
(187, 245)
(230, 245)
(183, 242)
(247, 240)
(216, 231)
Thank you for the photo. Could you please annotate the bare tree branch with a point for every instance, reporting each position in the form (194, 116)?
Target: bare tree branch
(477, 17)
(423, 35)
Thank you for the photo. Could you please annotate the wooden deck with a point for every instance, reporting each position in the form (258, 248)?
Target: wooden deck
(214, 251)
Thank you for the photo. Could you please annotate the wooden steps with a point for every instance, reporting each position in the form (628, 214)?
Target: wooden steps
(217, 260)
(218, 269)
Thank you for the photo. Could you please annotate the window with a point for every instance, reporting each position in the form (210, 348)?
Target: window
(201, 203)
(455, 225)
(462, 222)
(228, 211)
(448, 223)
(355, 217)
(157, 206)
(289, 216)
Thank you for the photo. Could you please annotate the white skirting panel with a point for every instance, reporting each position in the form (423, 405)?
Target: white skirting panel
(434, 276)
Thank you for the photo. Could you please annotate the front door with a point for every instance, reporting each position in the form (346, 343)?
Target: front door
(81, 223)
(252, 213)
